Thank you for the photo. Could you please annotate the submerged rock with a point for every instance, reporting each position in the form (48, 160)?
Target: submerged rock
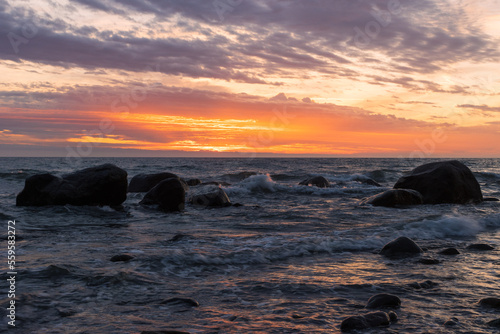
(424, 285)
(491, 302)
(401, 246)
(317, 181)
(383, 300)
(181, 301)
(142, 183)
(428, 260)
(480, 247)
(369, 320)
(449, 251)
(169, 195)
(193, 182)
(395, 197)
(121, 258)
(443, 182)
(211, 195)
(101, 185)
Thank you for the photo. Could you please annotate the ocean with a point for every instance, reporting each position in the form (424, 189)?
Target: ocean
(292, 259)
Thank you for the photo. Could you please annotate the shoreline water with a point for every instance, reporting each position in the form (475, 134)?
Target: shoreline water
(293, 259)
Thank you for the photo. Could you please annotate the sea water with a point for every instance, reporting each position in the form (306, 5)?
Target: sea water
(292, 259)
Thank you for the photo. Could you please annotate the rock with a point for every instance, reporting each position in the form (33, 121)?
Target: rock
(401, 246)
(369, 320)
(318, 181)
(480, 247)
(142, 183)
(424, 285)
(451, 322)
(443, 182)
(383, 300)
(121, 258)
(449, 251)
(193, 182)
(490, 302)
(216, 183)
(395, 197)
(168, 331)
(210, 195)
(181, 301)
(371, 182)
(491, 199)
(169, 195)
(101, 185)
(494, 323)
(428, 260)
(393, 316)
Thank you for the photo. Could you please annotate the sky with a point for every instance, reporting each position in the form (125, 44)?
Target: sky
(245, 78)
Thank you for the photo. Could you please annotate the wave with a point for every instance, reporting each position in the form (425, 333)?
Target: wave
(263, 183)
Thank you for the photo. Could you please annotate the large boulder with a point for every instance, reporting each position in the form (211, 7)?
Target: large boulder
(209, 195)
(142, 183)
(443, 182)
(101, 185)
(395, 197)
(401, 246)
(318, 181)
(169, 195)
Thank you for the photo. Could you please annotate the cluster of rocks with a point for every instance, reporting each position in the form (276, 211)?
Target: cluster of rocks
(432, 183)
(402, 248)
(107, 185)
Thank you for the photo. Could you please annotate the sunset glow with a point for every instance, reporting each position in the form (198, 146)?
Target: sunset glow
(357, 78)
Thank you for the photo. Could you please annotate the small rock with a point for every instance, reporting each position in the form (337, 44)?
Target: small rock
(480, 247)
(401, 246)
(375, 319)
(170, 331)
(451, 322)
(424, 285)
(494, 323)
(121, 258)
(181, 301)
(395, 197)
(383, 300)
(491, 199)
(490, 302)
(393, 316)
(211, 196)
(193, 182)
(428, 260)
(317, 181)
(449, 251)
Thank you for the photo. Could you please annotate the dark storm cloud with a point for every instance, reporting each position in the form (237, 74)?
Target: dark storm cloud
(273, 37)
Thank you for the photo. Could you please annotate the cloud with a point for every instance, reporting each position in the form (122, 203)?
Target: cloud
(483, 107)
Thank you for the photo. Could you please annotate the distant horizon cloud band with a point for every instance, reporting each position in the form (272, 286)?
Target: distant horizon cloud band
(250, 78)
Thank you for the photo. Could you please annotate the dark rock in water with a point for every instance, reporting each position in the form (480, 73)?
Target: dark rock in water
(142, 183)
(169, 195)
(443, 182)
(66, 312)
(121, 258)
(480, 247)
(318, 181)
(401, 246)
(371, 182)
(181, 301)
(369, 320)
(424, 285)
(178, 237)
(491, 199)
(216, 183)
(101, 185)
(211, 195)
(449, 251)
(490, 302)
(428, 260)
(494, 323)
(168, 331)
(451, 322)
(237, 205)
(395, 197)
(193, 182)
(383, 300)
